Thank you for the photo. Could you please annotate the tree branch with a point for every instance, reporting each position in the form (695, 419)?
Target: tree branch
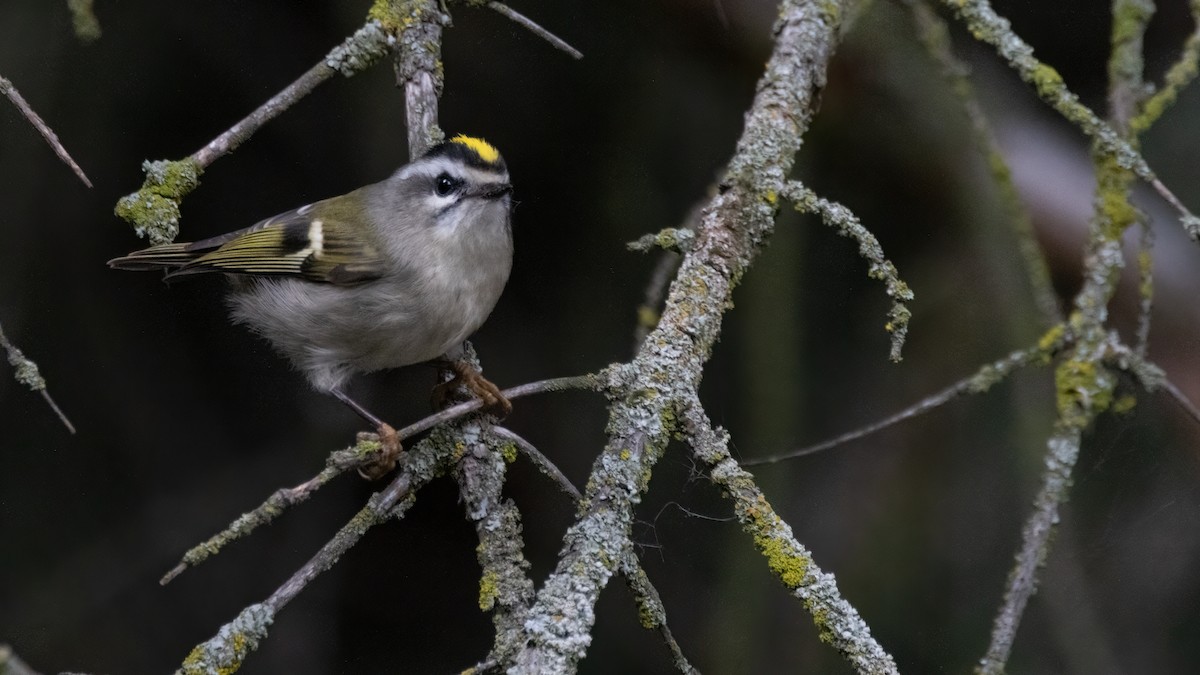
(838, 623)
(9, 91)
(363, 453)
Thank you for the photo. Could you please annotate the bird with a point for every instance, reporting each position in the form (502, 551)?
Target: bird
(395, 273)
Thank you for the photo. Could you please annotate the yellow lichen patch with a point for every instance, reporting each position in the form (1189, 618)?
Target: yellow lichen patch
(486, 151)
(489, 590)
(1124, 404)
(509, 452)
(783, 561)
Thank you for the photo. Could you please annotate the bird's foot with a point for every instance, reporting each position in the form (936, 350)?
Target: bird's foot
(477, 384)
(389, 454)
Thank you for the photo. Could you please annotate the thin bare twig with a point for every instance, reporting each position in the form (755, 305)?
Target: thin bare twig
(27, 373)
(7, 88)
(651, 610)
(555, 41)
(362, 454)
(980, 382)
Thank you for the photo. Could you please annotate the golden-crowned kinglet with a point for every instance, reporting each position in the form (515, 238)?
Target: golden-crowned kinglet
(391, 274)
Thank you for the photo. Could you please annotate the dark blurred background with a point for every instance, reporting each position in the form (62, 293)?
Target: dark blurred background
(185, 421)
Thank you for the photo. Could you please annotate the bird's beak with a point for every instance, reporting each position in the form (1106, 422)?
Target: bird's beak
(497, 191)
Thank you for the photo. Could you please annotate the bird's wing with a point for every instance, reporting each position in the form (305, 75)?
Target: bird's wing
(309, 242)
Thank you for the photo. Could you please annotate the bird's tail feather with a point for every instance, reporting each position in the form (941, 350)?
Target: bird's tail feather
(161, 257)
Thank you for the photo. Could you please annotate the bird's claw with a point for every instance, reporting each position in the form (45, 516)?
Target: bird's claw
(389, 454)
(477, 384)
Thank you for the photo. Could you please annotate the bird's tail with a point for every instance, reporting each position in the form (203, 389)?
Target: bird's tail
(161, 257)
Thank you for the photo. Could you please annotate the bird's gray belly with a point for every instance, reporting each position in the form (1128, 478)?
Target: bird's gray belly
(329, 332)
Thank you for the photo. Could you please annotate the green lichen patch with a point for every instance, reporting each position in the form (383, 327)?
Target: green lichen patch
(154, 209)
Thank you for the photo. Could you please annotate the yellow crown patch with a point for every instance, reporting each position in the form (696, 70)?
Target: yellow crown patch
(486, 151)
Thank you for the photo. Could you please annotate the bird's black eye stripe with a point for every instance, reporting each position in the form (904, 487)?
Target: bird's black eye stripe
(444, 184)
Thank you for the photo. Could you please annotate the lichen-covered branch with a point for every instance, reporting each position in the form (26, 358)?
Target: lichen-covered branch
(154, 209)
(1084, 382)
(846, 223)
(11, 93)
(27, 373)
(934, 34)
(505, 588)
(665, 374)
(988, 26)
(1178, 76)
(838, 623)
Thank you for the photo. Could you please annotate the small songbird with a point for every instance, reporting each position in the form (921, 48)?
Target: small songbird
(395, 273)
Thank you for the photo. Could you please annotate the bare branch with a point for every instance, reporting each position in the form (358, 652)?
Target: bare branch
(555, 41)
(1178, 76)
(505, 588)
(362, 454)
(27, 373)
(983, 380)
(7, 88)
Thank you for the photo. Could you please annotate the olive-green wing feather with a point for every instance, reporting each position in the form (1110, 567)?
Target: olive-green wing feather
(315, 242)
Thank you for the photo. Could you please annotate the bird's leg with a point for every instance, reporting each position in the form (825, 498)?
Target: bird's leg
(388, 439)
(466, 375)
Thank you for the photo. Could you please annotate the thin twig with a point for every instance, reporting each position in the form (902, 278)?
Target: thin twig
(44, 129)
(225, 651)
(980, 382)
(356, 53)
(27, 373)
(554, 40)
(651, 610)
(362, 454)
(934, 34)
(1145, 263)
(154, 209)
